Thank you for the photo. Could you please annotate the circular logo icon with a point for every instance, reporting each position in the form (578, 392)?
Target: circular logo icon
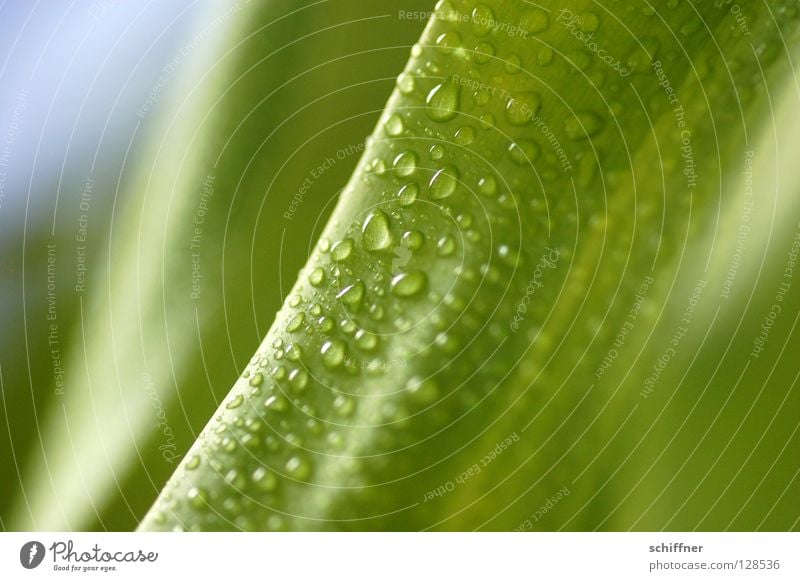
(31, 554)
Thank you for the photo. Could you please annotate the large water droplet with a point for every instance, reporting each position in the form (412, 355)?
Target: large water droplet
(394, 125)
(352, 294)
(376, 233)
(443, 183)
(405, 164)
(443, 100)
(408, 194)
(333, 353)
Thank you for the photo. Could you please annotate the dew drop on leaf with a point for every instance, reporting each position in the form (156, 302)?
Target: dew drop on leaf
(408, 284)
(443, 101)
(405, 164)
(342, 250)
(443, 183)
(376, 234)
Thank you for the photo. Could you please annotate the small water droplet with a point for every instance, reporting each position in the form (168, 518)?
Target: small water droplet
(405, 82)
(193, 462)
(365, 340)
(256, 379)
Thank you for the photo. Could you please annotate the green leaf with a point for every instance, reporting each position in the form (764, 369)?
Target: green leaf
(437, 364)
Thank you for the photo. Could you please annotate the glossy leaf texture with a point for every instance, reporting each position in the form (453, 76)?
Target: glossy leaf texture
(536, 241)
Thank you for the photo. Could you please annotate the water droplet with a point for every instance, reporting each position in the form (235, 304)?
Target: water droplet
(446, 246)
(394, 125)
(437, 152)
(317, 276)
(487, 120)
(295, 322)
(294, 352)
(326, 324)
(376, 233)
(443, 101)
(544, 56)
(408, 284)
(342, 250)
(483, 53)
(589, 22)
(193, 463)
(352, 295)
(256, 379)
(448, 41)
(298, 378)
(413, 239)
(235, 402)
(408, 194)
(582, 125)
(487, 185)
(523, 152)
(264, 479)
(443, 183)
(422, 391)
(405, 164)
(513, 64)
(482, 20)
(298, 468)
(196, 496)
(333, 353)
(535, 20)
(521, 108)
(365, 340)
(344, 406)
(465, 135)
(405, 82)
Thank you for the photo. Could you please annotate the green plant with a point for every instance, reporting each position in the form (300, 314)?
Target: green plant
(522, 188)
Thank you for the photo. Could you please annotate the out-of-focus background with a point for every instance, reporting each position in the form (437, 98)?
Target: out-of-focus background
(204, 143)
